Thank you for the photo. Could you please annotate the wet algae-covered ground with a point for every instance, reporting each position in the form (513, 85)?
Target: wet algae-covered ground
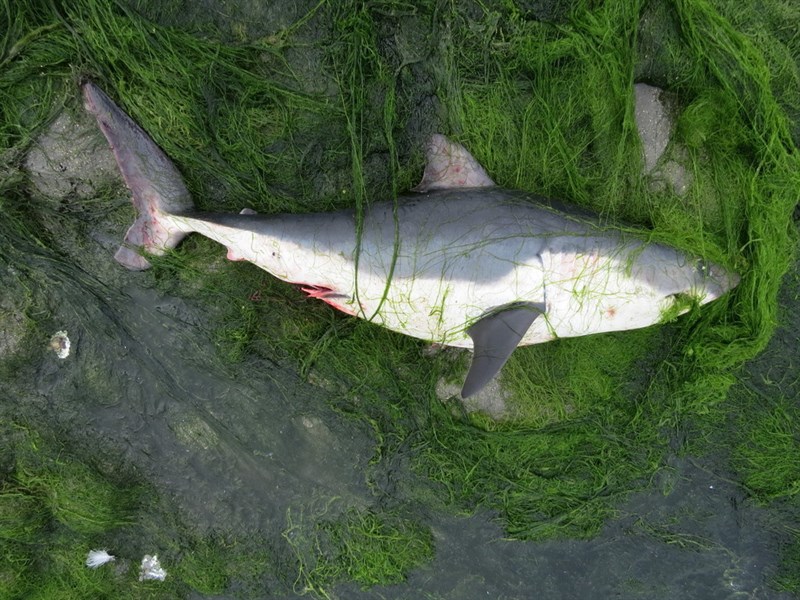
(263, 445)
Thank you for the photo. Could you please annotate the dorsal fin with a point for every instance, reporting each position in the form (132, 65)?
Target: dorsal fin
(449, 165)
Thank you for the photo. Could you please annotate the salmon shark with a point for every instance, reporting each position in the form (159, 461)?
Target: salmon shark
(462, 262)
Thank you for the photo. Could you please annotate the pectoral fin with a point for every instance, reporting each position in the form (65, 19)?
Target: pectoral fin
(494, 338)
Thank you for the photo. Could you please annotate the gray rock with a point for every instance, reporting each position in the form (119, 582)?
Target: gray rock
(65, 160)
(491, 400)
(655, 124)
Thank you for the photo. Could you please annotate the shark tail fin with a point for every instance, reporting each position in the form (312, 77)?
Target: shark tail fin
(158, 190)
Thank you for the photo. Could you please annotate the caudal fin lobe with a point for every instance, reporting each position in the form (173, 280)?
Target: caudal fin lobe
(157, 186)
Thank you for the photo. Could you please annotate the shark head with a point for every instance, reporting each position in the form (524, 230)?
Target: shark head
(620, 286)
(684, 281)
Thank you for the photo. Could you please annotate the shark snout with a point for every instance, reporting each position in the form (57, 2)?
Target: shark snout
(717, 281)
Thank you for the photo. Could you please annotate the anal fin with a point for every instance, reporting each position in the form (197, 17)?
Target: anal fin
(494, 338)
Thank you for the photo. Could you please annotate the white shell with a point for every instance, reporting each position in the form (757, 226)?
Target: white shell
(60, 344)
(96, 558)
(151, 569)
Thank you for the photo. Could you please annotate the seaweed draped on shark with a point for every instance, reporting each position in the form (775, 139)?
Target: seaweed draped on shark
(460, 263)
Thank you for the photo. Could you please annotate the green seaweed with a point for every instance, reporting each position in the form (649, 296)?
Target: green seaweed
(787, 578)
(546, 107)
(52, 506)
(768, 457)
(361, 546)
(205, 565)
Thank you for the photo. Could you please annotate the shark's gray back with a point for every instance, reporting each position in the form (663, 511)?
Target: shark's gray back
(472, 233)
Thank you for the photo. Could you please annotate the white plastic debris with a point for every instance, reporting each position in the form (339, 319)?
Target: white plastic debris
(59, 343)
(96, 558)
(151, 569)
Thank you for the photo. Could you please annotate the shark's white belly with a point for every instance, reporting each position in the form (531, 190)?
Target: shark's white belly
(585, 292)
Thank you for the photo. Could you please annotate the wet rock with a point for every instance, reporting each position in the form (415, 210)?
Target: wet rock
(65, 161)
(491, 400)
(655, 124)
(317, 432)
(194, 433)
